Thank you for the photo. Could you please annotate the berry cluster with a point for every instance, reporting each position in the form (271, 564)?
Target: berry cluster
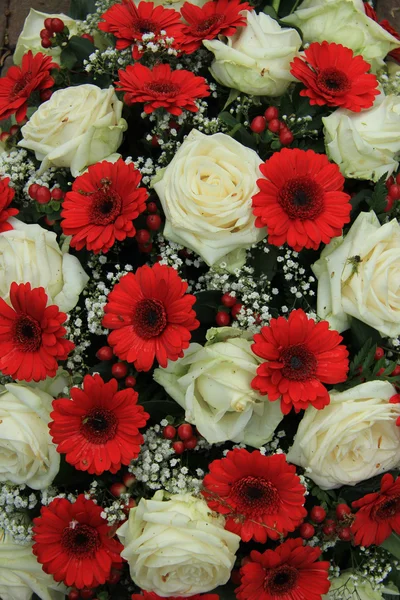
(119, 369)
(43, 195)
(153, 223)
(13, 132)
(52, 28)
(234, 307)
(271, 122)
(393, 187)
(340, 526)
(187, 439)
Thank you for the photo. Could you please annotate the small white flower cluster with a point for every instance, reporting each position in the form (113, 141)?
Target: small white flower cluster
(19, 168)
(390, 83)
(377, 565)
(108, 61)
(114, 513)
(146, 167)
(169, 252)
(299, 281)
(14, 519)
(195, 62)
(49, 494)
(164, 43)
(80, 337)
(90, 24)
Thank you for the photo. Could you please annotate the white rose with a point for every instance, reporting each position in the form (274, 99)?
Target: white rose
(359, 276)
(29, 38)
(213, 385)
(206, 195)
(29, 253)
(365, 145)
(351, 585)
(77, 127)
(27, 453)
(344, 22)
(352, 439)
(21, 575)
(176, 546)
(256, 59)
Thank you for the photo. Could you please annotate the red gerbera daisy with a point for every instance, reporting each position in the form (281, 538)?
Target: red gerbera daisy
(301, 201)
(31, 334)
(334, 76)
(261, 496)
(73, 542)
(379, 513)
(291, 572)
(301, 355)
(102, 206)
(161, 87)
(214, 18)
(370, 12)
(129, 22)
(98, 428)
(20, 82)
(151, 315)
(153, 596)
(6, 195)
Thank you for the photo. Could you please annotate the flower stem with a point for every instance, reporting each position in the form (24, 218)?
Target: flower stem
(275, 5)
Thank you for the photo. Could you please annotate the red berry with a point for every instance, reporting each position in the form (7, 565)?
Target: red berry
(329, 528)
(169, 432)
(128, 479)
(45, 33)
(87, 594)
(178, 447)
(286, 137)
(274, 125)
(390, 181)
(398, 178)
(143, 236)
(127, 507)
(185, 431)
(394, 399)
(317, 514)
(222, 319)
(87, 36)
(117, 489)
(228, 300)
(46, 43)
(394, 191)
(74, 595)
(47, 24)
(271, 113)
(151, 207)
(191, 443)
(154, 222)
(43, 195)
(14, 129)
(154, 141)
(105, 353)
(114, 577)
(130, 381)
(4, 135)
(389, 204)
(57, 194)
(49, 222)
(119, 370)
(258, 125)
(306, 531)
(57, 25)
(236, 310)
(380, 372)
(45, 95)
(379, 353)
(396, 371)
(342, 510)
(146, 248)
(33, 190)
(344, 534)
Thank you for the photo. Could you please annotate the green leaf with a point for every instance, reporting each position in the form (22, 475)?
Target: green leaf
(81, 47)
(233, 95)
(325, 497)
(392, 545)
(228, 119)
(79, 9)
(378, 202)
(68, 58)
(363, 333)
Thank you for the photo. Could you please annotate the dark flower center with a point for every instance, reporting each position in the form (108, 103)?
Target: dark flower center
(281, 580)
(99, 426)
(27, 334)
(299, 364)
(387, 509)
(150, 318)
(164, 87)
(21, 84)
(146, 26)
(333, 81)
(204, 26)
(255, 495)
(106, 205)
(302, 198)
(80, 540)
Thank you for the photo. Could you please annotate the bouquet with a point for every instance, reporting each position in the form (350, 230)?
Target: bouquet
(200, 303)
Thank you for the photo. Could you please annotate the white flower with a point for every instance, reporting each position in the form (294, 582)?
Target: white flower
(256, 59)
(29, 38)
(206, 194)
(359, 276)
(27, 453)
(21, 575)
(77, 127)
(213, 385)
(352, 439)
(29, 253)
(177, 546)
(365, 145)
(351, 585)
(344, 22)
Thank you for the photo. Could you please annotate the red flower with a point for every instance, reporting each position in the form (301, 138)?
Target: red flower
(102, 206)
(6, 195)
(153, 596)
(334, 76)
(20, 82)
(379, 514)
(151, 315)
(73, 543)
(31, 334)
(370, 12)
(214, 18)
(300, 356)
(98, 429)
(301, 201)
(161, 87)
(291, 572)
(261, 496)
(129, 22)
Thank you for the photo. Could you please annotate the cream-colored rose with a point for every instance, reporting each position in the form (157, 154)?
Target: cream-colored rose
(21, 575)
(365, 145)
(352, 585)
(359, 276)
(77, 127)
(344, 22)
(352, 439)
(213, 385)
(256, 59)
(176, 546)
(29, 253)
(29, 38)
(27, 453)
(206, 195)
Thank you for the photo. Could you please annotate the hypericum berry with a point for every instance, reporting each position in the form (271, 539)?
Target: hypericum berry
(228, 300)
(43, 195)
(45, 34)
(154, 141)
(105, 353)
(317, 514)
(379, 353)
(398, 178)
(394, 191)
(14, 129)
(154, 222)
(49, 222)
(191, 443)
(74, 595)
(57, 25)
(286, 137)
(222, 319)
(271, 113)
(151, 207)
(57, 194)
(169, 432)
(179, 447)
(143, 236)
(390, 181)
(306, 531)
(258, 125)
(185, 431)
(47, 24)
(32, 190)
(45, 95)
(4, 135)
(344, 534)
(342, 510)
(146, 248)
(119, 370)
(236, 310)
(380, 372)
(396, 371)
(329, 528)
(130, 381)
(46, 43)
(389, 204)
(117, 489)
(274, 125)
(394, 399)
(114, 576)
(87, 594)
(87, 36)
(128, 479)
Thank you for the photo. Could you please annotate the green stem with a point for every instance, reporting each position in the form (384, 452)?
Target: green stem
(275, 5)
(295, 5)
